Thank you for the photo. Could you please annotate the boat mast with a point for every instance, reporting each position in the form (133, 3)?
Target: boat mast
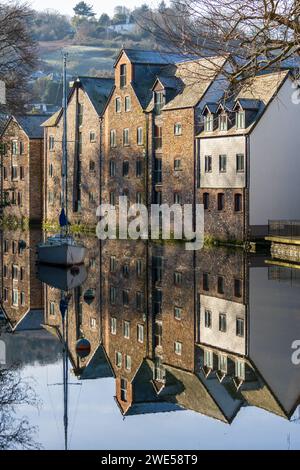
(64, 192)
(65, 366)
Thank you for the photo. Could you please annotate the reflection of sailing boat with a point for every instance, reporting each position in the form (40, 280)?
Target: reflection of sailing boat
(62, 249)
(62, 278)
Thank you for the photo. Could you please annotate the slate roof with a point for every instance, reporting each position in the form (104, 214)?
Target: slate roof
(191, 79)
(261, 89)
(97, 367)
(98, 90)
(31, 124)
(138, 56)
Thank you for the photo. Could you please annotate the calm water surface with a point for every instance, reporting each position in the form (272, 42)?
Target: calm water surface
(187, 350)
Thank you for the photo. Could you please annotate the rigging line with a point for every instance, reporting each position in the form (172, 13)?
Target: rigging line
(75, 415)
(52, 404)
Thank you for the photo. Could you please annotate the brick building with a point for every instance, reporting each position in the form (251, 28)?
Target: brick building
(22, 168)
(86, 104)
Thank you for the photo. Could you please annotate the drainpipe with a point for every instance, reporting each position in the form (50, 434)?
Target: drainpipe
(246, 202)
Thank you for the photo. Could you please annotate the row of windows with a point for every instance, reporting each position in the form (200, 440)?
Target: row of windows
(118, 104)
(240, 330)
(126, 329)
(139, 267)
(92, 169)
(237, 201)
(16, 298)
(14, 172)
(92, 139)
(240, 163)
(16, 147)
(126, 168)
(139, 298)
(208, 362)
(16, 247)
(16, 273)
(16, 198)
(237, 285)
(126, 137)
(119, 361)
(139, 197)
(209, 121)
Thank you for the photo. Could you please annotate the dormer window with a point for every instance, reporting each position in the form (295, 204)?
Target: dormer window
(223, 122)
(159, 101)
(123, 75)
(209, 122)
(240, 119)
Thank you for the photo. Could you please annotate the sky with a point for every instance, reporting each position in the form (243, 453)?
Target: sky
(100, 6)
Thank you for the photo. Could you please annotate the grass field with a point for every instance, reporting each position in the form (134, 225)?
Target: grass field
(81, 58)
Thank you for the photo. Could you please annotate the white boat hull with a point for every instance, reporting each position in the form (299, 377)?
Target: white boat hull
(61, 254)
(61, 277)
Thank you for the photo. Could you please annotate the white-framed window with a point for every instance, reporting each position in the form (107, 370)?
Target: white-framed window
(178, 128)
(5, 294)
(112, 198)
(222, 363)
(140, 333)
(113, 325)
(112, 168)
(240, 163)
(92, 136)
(112, 264)
(140, 138)
(208, 163)
(118, 104)
(223, 122)
(177, 198)
(126, 329)
(123, 385)
(177, 164)
(240, 119)
(127, 103)
(209, 122)
(208, 359)
(178, 348)
(222, 163)
(207, 318)
(128, 362)
(93, 322)
(125, 136)
(113, 138)
(22, 298)
(240, 369)
(51, 143)
(177, 278)
(52, 308)
(139, 197)
(178, 313)
(240, 327)
(222, 322)
(14, 147)
(15, 272)
(112, 295)
(139, 267)
(118, 359)
(15, 297)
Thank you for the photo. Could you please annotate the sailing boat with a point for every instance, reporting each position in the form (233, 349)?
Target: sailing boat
(62, 249)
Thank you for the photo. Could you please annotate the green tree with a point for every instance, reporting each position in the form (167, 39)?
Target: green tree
(83, 9)
(104, 20)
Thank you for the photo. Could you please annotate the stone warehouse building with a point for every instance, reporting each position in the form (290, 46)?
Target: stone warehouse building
(22, 167)
(167, 129)
(86, 103)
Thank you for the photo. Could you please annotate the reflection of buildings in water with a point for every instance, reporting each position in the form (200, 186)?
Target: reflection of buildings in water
(22, 309)
(209, 331)
(21, 291)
